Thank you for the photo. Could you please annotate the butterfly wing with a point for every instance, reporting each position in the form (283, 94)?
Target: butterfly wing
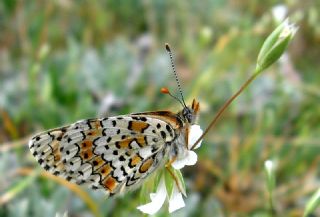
(113, 154)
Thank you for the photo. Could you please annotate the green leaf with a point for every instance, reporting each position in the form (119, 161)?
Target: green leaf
(181, 183)
(175, 178)
(169, 181)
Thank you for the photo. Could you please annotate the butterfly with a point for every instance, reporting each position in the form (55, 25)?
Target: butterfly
(116, 154)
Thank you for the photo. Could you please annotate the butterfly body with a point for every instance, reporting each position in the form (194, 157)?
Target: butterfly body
(114, 154)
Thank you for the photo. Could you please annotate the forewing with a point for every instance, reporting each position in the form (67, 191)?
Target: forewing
(112, 154)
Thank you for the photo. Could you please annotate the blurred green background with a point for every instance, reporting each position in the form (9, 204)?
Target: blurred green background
(62, 61)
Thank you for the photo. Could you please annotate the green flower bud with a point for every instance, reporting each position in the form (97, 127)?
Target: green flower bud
(275, 45)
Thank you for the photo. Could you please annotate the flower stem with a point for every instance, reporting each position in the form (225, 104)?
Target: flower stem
(226, 104)
(271, 207)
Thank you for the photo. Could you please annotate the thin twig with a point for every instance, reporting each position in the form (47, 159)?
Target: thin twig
(223, 108)
(72, 187)
(5, 147)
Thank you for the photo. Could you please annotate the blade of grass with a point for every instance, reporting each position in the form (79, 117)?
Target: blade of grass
(84, 196)
(19, 187)
(312, 204)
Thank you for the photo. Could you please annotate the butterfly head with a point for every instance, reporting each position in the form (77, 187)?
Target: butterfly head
(190, 114)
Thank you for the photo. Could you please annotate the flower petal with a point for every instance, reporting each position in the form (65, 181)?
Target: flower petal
(279, 12)
(189, 159)
(194, 134)
(176, 200)
(157, 200)
(179, 163)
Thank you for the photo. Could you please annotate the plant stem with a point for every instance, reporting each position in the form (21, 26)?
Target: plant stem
(271, 207)
(226, 104)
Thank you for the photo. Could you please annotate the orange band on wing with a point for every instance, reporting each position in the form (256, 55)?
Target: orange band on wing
(146, 165)
(138, 126)
(56, 151)
(97, 162)
(110, 183)
(135, 160)
(86, 155)
(87, 144)
(105, 170)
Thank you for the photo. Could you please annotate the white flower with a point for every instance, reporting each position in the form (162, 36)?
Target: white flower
(270, 172)
(189, 157)
(269, 165)
(157, 200)
(65, 214)
(289, 30)
(279, 12)
(176, 200)
(194, 133)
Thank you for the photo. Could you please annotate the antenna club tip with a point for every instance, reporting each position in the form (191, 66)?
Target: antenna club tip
(168, 47)
(165, 90)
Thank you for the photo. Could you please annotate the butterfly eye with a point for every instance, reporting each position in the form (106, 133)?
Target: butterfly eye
(187, 114)
(189, 117)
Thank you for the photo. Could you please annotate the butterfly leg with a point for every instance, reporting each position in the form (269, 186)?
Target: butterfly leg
(171, 161)
(181, 189)
(168, 167)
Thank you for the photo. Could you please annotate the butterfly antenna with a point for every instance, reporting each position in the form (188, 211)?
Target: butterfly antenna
(175, 75)
(165, 90)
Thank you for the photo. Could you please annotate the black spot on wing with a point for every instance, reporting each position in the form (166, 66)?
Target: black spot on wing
(89, 125)
(104, 132)
(163, 134)
(95, 140)
(130, 125)
(143, 118)
(83, 135)
(169, 129)
(124, 171)
(117, 144)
